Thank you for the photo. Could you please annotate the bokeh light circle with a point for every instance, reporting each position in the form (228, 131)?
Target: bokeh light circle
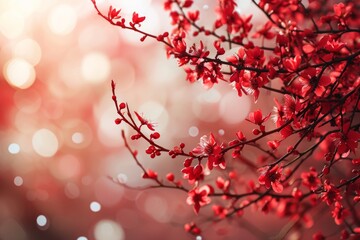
(193, 131)
(95, 206)
(18, 181)
(95, 67)
(82, 238)
(77, 137)
(19, 73)
(12, 24)
(41, 221)
(62, 19)
(234, 109)
(108, 230)
(14, 148)
(29, 50)
(45, 143)
(157, 207)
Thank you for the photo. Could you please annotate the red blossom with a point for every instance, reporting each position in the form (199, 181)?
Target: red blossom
(292, 64)
(318, 236)
(113, 13)
(143, 121)
(210, 148)
(220, 50)
(187, 3)
(223, 184)
(170, 177)
(255, 56)
(333, 45)
(199, 197)
(136, 20)
(274, 144)
(330, 193)
(310, 179)
(193, 173)
(312, 82)
(179, 47)
(308, 48)
(257, 118)
(346, 140)
(271, 178)
(192, 228)
(339, 213)
(293, 209)
(250, 84)
(150, 174)
(305, 55)
(341, 10)
(291, 107)
(194, 16)
(265, 31)
(230, 18)
(219, 211)
(183, 25)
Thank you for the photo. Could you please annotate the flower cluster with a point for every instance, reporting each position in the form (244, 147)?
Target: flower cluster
(308, 57)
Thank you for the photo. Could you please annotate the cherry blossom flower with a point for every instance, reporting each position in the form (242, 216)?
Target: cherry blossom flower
(339, 213)
(136, 20)
(150, 174)
(199, 197)
(113, 13)
(331, 194)
(307, 55)
(220, 211)
(271, 178)
(257, 118)
(310, 179)
(192, 228)
(346, 140)
(318, 236)
(212, 150)
(265, 31)
(292, 64)
(311, 82)
(143, 121)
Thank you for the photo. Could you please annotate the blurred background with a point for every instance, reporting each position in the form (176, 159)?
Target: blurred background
(59, 147)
